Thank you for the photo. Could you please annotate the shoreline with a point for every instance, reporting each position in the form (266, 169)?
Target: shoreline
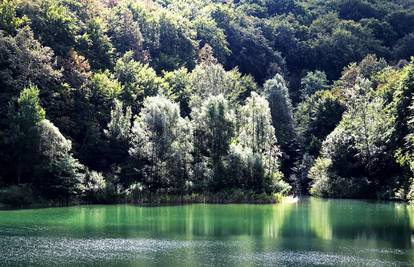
(175, 200)
(163, 199)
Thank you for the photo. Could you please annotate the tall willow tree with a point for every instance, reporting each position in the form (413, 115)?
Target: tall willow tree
(162, 140)
(214, 126)
(118, 133)
(277, 94)
(257, 138)
(119, 126)
(256, 131)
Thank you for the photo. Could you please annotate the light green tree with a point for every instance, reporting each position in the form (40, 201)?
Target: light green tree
(119, 126)
(257, 137)
(58, 175)
(163, 140)
(211, 79)
(52, 144)
(8, 20)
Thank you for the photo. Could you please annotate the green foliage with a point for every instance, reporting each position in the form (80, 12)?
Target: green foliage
(59, 176)
(400, 106)
(139, 81)
(251, 51)
(402, 109)
(96, 45)
(23, 130)
(95, 188)
(17, 195)
(209, 33)
(61, 179)
(125, 33)
(313, 82)
(179, 89)
(382, 30)
(52, 22)
(52, 144)
(257, 137)
(29, 113)
(355, 158)
(319, 174)
(403, 47)
(209, 80)
(24, 61)
(277, 94)
(337, 43)
(214, 126)
(162, 139)
(184, 74)
(256, 131)
(316, 117)
(105, 86)
(76, 69)
(176, 45)
(104, 90)
(119, 126)
(9, 21)
(401, 20)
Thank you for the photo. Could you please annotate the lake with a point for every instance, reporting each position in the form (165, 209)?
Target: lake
(310, 232)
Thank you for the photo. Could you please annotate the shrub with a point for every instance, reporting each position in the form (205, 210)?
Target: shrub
(17, 196)
(95, 187)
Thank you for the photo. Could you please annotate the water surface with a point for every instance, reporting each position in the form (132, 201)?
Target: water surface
(312, 232)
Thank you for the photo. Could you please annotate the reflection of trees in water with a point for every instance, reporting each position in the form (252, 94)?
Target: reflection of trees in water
(410, 212)
(319, 220)
(377, 230)
(197, 232)
(385, 224)
(388, 224)
(376, 223)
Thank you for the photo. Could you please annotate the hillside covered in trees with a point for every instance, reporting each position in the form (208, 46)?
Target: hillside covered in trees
(107, 100)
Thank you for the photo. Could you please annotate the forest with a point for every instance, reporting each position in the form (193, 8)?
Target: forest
(103, 101)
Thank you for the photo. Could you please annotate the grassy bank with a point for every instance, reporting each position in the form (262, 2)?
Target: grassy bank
(214, 198)
(24, 197)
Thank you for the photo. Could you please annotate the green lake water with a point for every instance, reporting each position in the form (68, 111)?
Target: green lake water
(311, 232)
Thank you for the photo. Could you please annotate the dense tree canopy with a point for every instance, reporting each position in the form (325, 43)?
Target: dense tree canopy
(105, 99)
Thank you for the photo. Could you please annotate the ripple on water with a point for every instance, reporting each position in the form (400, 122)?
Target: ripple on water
(52, 251)
(313, 258)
